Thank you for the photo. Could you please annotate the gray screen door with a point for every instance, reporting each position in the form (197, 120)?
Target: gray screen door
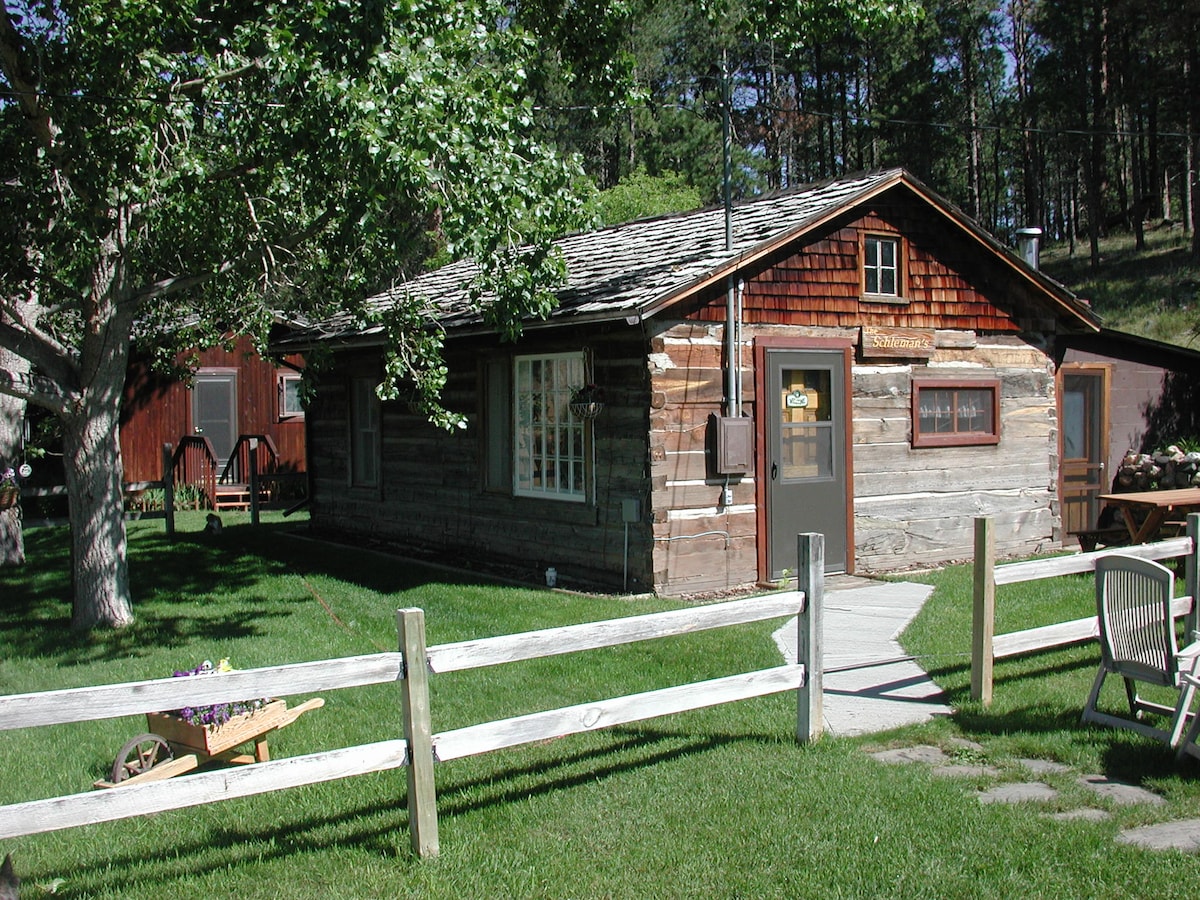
(214, 411)
(806, 467)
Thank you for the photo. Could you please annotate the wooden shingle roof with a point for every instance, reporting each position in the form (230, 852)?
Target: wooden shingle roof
(636, 270)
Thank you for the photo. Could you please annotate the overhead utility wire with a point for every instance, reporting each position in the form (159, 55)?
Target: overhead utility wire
(857, 118)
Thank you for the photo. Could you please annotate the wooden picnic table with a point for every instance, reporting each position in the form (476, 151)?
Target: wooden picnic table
(1145, 512)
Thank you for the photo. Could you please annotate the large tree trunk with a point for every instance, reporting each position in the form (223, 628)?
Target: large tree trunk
(12, 420)
(1191, 190)
(974, 152)
(1096, 165)
(92, 458)
(92, 461)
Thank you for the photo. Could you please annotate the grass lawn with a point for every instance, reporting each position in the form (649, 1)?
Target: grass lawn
(715, 803)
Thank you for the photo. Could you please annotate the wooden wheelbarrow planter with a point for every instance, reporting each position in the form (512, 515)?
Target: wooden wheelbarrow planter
(173, 746)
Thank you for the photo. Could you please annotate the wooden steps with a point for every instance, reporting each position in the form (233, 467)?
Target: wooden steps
(236, 496)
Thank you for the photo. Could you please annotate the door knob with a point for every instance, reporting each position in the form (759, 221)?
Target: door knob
(774, 471)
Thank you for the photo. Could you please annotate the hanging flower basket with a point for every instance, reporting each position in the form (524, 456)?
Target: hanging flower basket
(586, 410)
(587, 402)
(9, 495)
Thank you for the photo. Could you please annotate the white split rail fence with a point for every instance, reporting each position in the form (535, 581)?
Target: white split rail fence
(987, 646)
(420, 748)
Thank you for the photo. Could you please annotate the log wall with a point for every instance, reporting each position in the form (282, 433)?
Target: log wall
(432, 502)
(701, 544)
(916, 507)
(913, 507)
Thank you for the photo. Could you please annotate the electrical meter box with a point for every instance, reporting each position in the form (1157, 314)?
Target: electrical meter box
(631, 510)
(732, 444)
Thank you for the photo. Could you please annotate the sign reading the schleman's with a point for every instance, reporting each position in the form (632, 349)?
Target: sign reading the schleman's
(897, 342)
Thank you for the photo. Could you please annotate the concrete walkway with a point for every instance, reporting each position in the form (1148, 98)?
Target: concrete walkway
(868, 688)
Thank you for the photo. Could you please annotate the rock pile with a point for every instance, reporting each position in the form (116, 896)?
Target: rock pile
(1162, 471)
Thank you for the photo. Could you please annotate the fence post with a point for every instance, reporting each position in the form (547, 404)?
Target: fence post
(1191, 568)
(252, 460)
(810, 578)
(168, 484)
(983, 618)
(418, 733)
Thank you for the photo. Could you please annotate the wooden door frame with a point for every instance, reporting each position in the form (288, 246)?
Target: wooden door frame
(1105, 370)
(761, 346)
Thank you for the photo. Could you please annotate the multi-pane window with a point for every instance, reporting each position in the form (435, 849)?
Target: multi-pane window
(951, 413)
(548, 441)
(881, 266)
(290, 405)
(364, 432)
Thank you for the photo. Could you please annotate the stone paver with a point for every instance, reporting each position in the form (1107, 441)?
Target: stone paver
(1044, 766)
(1182, 835)
(1119, 792)
(966, 770)
(1025, 792)
(920, 753)
(1085, 814)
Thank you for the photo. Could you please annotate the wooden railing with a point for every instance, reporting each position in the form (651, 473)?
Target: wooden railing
(251, 453)
(987, 646)
(195, 463)
(254, 464)
(411, 669)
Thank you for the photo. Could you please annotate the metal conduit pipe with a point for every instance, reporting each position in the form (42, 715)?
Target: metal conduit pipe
(736, 361)
(732, 407)
(688, 537)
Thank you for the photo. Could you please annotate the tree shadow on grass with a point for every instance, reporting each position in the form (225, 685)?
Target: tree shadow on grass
(194, 588)
(170, 580)
(371, 568)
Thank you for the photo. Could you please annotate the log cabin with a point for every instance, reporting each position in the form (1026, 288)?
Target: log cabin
(856, 357)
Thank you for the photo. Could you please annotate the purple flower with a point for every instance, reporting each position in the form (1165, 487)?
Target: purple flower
(216, 714)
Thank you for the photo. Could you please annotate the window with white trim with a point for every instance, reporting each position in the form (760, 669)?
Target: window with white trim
(548, 441)
(290, 405)
(881, 266)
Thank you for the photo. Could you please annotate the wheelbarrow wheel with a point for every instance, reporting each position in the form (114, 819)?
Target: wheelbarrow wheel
(139, 755)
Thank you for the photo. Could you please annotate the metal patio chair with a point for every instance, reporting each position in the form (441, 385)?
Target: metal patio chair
(1137, 643)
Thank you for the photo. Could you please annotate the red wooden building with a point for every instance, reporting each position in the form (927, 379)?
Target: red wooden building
(233, 392)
